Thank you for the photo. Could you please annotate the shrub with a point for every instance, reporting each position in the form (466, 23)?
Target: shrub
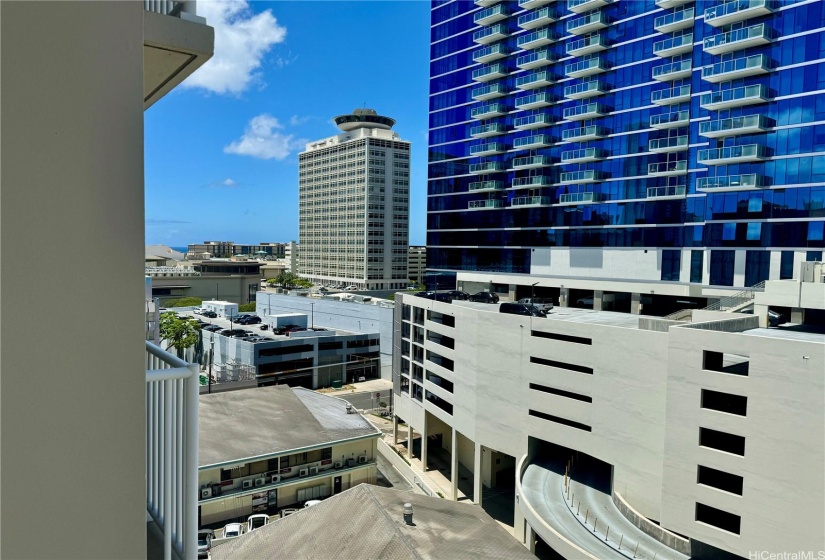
(183, 302)
(247, 307)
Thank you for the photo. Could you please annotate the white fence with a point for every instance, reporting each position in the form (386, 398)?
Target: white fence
(172, 450)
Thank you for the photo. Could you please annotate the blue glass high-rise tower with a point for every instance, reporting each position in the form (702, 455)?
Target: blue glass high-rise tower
(683, 139)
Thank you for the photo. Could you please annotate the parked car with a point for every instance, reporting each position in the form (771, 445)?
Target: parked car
(232, 530)
(210, 314)
(542, 304)
(484, 297)
(248, 320)
(585, 302)
(256, 521)
(199, 310)
(458, 294)
(264, 327)
(213, 328)
(520, 309)
(774, 319)
(205, 537)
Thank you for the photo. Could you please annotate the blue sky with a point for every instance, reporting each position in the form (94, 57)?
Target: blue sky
(222, 150)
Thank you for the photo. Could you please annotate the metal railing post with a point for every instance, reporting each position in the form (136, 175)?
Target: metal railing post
(190, 529)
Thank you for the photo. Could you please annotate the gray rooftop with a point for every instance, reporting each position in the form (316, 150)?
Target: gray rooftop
(238, 425)
(569, 314)
(366, 522)
(802, 333)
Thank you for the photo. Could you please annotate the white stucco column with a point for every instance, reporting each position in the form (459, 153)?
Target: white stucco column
(424, 446)
(394, 429)
(454, 465)
(597, 300)
(477, 474)
(564, 297)
(636, 303)
(410, 434)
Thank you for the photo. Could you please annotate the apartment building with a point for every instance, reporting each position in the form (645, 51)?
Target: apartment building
(697, 437)
(77, 78)
(416, 263)
(250, 464)
(226, 249)
(354, 194)
(666, 140)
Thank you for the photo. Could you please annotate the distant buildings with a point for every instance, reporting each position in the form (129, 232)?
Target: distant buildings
(227, 249)
(416, 263)
(236, 281)
(354, 205)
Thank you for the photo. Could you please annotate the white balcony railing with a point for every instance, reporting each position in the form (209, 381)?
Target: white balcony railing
(171, 8)
(172, 450)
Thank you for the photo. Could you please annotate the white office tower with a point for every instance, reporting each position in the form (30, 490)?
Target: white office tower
(354, 192)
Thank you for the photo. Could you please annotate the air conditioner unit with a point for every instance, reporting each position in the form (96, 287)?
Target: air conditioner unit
(206, 492)
(338, 464)
(362, 459)
(247, 484)
(260, 481)
(275, 478)
(303, 472)
(313, 470)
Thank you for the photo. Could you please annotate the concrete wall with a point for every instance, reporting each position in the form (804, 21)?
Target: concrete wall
(72, 152)
(228, 288)
(781, 506)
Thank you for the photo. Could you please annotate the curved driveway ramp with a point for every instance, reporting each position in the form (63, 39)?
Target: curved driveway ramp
(542, 488)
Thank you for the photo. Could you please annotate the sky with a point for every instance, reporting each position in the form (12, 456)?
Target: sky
(221, 150)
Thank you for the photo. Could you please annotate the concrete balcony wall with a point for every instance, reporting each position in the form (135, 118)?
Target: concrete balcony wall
(73, 413)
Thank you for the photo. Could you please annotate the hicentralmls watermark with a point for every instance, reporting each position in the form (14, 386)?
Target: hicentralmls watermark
(796, 555)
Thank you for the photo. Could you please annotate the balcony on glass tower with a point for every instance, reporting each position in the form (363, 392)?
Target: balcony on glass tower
(737, 68)
(535, 80)
(491, 53)
(538, 18)
(674, 21)
(486, 167)
(734, 97)
(581, 198)
(586, 45)
(668, 4)
(527, 4)
(738, 39)
(736, 11)
(488, 204)
(731, 183)
(532, 182)
(667, 168)
(584, 90)
(489, 72)
(488, 110)
(490, 91)
(535, 59)
(582, 6)
(531, 162)
(733, 154)
(584, 112)
(585, 176)
(533, 142)
(487, 130)
(675, 70)
(486, 186)
(735, 126)
(587, 67)
(675, 45)
(533, 121)
(667, 191)
(587, 24)
(674, 119)
(488, 149)
(491, 15)
(485, 3)
(668, 145)
(529, 201)
(583, 155)
(491, 34)
(537, 38)
(534, 101)
(584, 133)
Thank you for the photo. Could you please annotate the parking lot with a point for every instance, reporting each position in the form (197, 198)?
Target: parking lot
(226, 324)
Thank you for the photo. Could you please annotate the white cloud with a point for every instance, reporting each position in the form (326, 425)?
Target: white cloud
(229, 183)
(262, 140)
(242, 38)
(295, 120)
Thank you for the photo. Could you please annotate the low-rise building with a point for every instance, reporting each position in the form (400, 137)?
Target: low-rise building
(236, 281)
(375, 522)
(261, 449)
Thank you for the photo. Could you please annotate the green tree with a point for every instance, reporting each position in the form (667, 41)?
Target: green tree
(289, 279)
(179, 332)
(247, 307)
(184, 302)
